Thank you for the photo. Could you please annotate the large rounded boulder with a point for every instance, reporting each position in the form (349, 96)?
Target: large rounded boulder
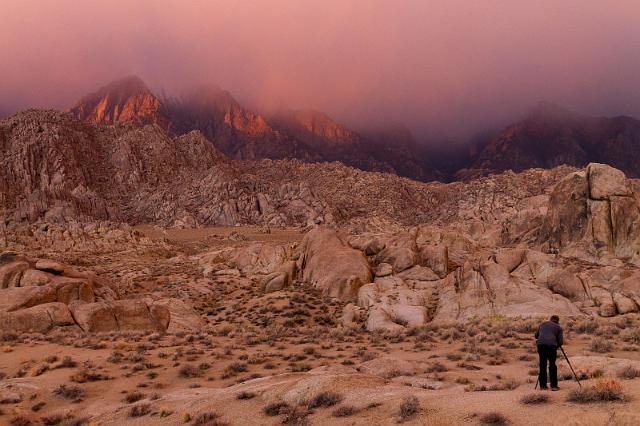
(331, 265)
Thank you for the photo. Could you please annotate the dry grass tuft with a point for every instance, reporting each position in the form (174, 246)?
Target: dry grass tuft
(535, 398)
(69, 392)
(276, 409)
(629, 372)
(324, 399)
(493, 418)
(208, 419)
(132, 397)
(139, 410)
(190, 371)
(344, 411)
(245, 395)
(409, 407)
(601, 345)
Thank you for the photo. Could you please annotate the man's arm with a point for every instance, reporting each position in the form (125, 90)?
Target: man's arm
(537, 333)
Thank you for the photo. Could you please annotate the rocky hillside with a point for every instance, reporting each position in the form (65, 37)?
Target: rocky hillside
(243, 134)
(57, 168)
(551, 136)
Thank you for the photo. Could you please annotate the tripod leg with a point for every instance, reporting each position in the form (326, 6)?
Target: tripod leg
(570, 366)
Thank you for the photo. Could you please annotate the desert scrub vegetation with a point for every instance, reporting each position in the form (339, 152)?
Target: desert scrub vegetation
(67, 362)
(604, 390)
(245, 395)
(493, 418)
(507, 384)
(629, 372)
(296, 416)
(208, 419)
(600, 345)
(409, 408)
(324, 399)
(58, 418)
(190, 371)
(233, 369)
(631, 335)
(344, 411)
(21, 420)
(139, 410)
(535, 398)
(132, 397)
(84, 376)
(70, 392)
(275, 409)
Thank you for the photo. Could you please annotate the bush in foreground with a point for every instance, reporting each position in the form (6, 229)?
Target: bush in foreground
(604, 390)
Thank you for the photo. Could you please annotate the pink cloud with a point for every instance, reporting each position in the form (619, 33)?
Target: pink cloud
(448, 67)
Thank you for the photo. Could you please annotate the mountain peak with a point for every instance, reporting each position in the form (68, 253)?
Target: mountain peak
(124, 100)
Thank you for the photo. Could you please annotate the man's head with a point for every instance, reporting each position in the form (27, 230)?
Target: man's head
(555, 319)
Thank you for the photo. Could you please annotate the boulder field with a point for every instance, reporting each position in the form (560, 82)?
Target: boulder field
(572, 252)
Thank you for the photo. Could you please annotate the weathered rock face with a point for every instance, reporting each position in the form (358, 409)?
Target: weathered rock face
(43, 294)
(400, 252)
(252, 259)
(40, 318)
(594, 211)
(331, 265)
(120, 315)
(181, 316)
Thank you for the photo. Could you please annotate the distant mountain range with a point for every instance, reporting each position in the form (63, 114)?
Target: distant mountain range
(242, 134)
(549, 136)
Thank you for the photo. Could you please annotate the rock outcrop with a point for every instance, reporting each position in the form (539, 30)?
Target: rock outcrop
(42, 294)
(578, 256)
(594, 213)
(331, 265)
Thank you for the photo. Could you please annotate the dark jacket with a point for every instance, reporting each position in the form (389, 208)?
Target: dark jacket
(549, 333)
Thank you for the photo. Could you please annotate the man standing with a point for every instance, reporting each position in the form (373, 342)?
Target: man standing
(548, 339)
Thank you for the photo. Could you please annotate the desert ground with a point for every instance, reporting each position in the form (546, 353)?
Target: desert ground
(243, 357)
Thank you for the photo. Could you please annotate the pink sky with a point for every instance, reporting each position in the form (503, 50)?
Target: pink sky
(450, 67)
